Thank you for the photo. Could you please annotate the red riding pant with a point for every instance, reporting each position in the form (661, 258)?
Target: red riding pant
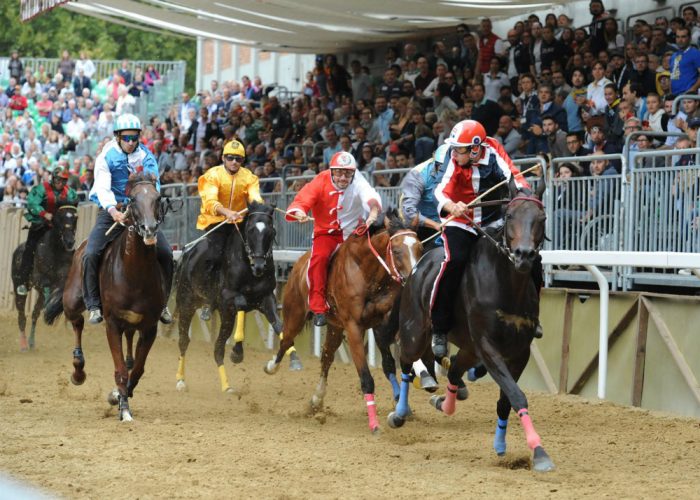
(323, 247)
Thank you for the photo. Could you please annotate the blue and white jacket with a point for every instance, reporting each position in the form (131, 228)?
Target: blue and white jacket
(112, 170)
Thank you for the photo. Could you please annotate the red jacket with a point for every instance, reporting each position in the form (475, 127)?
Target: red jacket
(334, 210)
(18, 102)
(465, 184)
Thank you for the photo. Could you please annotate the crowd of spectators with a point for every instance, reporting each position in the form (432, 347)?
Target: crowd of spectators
(62, 119)
(545, 88)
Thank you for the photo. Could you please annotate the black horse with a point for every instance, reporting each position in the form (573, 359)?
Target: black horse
(51, 264)
(495, 317)
(244, 282)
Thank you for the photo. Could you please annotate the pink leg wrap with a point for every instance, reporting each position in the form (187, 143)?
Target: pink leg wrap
(448, 405)
(372, 412)
(533, 439)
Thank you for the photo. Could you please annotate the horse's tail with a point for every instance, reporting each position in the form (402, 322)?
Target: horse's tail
(54, 307)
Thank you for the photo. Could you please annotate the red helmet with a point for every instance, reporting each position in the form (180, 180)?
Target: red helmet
(344, 160)
(467, 133)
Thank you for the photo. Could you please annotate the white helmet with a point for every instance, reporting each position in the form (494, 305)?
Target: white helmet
(127, 121)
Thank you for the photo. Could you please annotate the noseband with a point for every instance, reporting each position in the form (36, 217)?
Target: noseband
(248, 251)
(391, 267)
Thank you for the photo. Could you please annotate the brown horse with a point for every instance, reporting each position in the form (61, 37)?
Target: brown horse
(131, 289)
(364, 279)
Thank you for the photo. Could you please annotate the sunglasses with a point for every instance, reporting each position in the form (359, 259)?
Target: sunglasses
(236, 158)
(468, 149)
(130, 138)
(343, 173)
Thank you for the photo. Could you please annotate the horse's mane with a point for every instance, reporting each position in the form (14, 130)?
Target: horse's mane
(256, 206)
(396, 224)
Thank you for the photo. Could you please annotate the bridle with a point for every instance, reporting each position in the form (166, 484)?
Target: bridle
(140, 228)
(502, 246)
(248, 251)
(390, 268)
(60, 232)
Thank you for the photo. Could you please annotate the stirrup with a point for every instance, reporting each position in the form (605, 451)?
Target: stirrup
(165, 317)
(205, 313)
(320, 319)
(95, 316)
(22, 290)
(538, 331)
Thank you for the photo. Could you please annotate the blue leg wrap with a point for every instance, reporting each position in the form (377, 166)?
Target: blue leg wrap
(499, 440)
(394, 386)
(402, 408)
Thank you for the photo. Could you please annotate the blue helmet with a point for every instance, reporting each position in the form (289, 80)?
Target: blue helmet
(127, 121)
(441, 154)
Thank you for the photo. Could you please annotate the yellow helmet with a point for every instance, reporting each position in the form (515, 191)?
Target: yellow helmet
(234, 148)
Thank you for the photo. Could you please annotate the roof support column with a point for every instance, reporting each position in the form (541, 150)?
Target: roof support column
(200, 62)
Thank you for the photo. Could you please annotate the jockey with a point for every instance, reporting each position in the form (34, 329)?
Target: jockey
(42, 202)
(120, 157)
(225, 191)
(418, 205)
(476, 163)
(338, 198)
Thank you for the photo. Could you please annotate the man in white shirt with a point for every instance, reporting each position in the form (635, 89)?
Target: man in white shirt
(494, 80)
(75, 127)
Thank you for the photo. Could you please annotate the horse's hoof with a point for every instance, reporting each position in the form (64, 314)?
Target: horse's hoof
(295, 365)
(78, 378)
(113, 397)
(181, 386)
(376, 431)
(229, 390)
(125, 416)
(394, 420)
(23, 345)
(427, 382)
(541, 461)
(237, 354)
(316, 404)
(271, 367)
(436, 402)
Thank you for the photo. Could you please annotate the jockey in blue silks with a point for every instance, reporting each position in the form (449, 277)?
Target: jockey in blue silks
(122, 156)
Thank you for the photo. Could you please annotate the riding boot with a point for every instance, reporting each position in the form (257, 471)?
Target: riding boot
(439, 344)
(320, 319)
(205, 313)
(95, 316)
(165, 316)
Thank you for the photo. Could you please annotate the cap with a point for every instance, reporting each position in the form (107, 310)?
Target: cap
(694, 122)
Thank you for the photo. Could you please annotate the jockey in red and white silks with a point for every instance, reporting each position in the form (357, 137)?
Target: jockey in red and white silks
(477, 163)
(338, 200)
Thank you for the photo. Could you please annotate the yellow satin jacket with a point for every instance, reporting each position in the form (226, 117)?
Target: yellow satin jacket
(217, 187)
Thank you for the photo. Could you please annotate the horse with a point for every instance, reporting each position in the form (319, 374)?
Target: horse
(495, 317)
(246, 281)
(362, 287)
(131, 289)
(51, 263)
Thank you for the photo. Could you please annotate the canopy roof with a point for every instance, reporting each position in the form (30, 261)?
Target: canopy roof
(305, 26)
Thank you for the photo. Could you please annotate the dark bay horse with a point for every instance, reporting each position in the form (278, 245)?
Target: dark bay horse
(51, 263)
(365, 276)
(245, 281)
(495, 317)
(131, 289)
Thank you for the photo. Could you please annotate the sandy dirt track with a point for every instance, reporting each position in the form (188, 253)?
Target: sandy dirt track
(261, 443)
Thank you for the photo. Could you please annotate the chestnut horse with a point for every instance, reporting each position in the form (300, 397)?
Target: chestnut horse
(495, 316)
(51, 264)
(365, 277)
(131, 289)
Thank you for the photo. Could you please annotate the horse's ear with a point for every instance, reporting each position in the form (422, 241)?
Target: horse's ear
(512, 187)
(541, 187)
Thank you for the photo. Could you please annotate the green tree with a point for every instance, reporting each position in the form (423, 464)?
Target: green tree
(52, 32)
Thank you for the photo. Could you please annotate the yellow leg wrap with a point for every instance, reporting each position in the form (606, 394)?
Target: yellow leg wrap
(239, 334)
(290, 350)
(224, 379)
(180, 375)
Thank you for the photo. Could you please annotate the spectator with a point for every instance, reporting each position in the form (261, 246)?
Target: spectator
(385, 116)
(597, 27)
(596, 89)
(685, 65)
(18, 102)
(280, 119)
(556, 138)
(333, 146)
(15, 66)
(518, 57)
(659, 44)
(361, 83)
(85, 65)
(613, 39)
(389, 85)
(508, 136)
(614, 122)
(66, 66)
(81, 81)
(125, 101)
(575, 147)
(642, 75)
(424, 76)
(655, 119)
(536, 48)
(690, 16)
(494, 80)
(490, 46)
(552, 50)
(602, 146)
(486, 112)
(125, 73)
(151, 75)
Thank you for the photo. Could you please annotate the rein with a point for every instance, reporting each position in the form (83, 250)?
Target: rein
(391, 267)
